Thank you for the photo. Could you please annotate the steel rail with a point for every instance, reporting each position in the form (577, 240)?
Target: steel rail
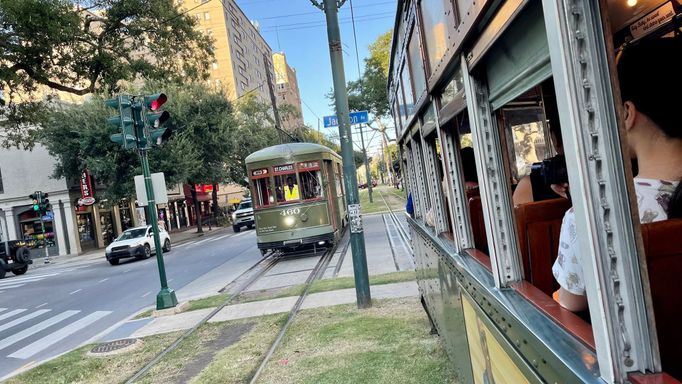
(267, 263)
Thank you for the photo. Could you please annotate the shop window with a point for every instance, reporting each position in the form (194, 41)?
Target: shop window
(261, 187)
(439, 21)
(416, 64)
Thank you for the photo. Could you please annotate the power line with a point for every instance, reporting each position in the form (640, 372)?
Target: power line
(324, 25)
(318, 12)
(387, 13)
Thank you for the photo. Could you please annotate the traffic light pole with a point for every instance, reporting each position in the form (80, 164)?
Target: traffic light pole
(166, 297)
(357, 237)
(42, 228)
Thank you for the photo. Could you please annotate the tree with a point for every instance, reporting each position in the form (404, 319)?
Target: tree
(202, 122)
(82, 47)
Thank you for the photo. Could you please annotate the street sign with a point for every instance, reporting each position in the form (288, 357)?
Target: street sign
(159, 184)
(360, 117)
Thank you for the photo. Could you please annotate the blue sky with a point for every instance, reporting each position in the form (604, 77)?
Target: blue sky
(298, 29)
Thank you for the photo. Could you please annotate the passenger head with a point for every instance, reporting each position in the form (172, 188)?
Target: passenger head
(651, 86)
(290, 182)
(469, 165)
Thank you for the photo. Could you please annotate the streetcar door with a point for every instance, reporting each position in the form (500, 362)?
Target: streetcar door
(331, 193)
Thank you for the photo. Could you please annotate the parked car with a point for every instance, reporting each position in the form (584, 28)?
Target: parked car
(243, 216)
(136, 242)
(14, 258)
(364, 185)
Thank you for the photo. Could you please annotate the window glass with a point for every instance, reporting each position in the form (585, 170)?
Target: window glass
(311, 180)
(454, 86)
(438, 22)
(416, 63)
(401, 105)
(262, 194)
(286, 184)
(409, 96)
(429, 116)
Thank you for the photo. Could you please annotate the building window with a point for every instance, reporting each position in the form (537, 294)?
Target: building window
(217, 83)
(214, 65)
(209, 32)
(207, 16)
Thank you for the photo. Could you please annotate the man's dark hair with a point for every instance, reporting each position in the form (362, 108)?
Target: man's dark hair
(649, 77)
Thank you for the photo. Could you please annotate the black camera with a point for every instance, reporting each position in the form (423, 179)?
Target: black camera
(550, 171)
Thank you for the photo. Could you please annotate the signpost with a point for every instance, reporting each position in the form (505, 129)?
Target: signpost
(360, 117)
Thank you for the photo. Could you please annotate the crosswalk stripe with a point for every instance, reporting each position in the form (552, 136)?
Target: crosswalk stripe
(28, 278)
(220, 237)
(53, 338)
(22, 319)
(11, 313)
(6, 342)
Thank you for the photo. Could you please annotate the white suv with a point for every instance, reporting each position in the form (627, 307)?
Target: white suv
(243, 216)
(136, 242)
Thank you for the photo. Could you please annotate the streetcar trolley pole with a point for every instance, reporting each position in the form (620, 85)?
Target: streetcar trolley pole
(140, 126)
(357, 238)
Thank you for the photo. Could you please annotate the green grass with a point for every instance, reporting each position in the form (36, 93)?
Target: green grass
(388, 343)
(78, 366)
(325, 285)
(375, 207)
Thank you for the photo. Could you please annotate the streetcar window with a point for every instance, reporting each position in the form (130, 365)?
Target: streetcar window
(311, 185)
(286, 188)
(261, 192)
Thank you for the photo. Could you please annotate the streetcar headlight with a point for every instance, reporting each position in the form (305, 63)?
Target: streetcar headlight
(289, 221)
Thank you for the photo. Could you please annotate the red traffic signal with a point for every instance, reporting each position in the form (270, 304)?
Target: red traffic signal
(155, 101)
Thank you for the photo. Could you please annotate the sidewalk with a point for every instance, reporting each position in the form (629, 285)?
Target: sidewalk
(177, 238)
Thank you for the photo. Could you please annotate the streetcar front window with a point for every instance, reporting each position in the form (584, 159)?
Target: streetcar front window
(261, 192)
(311, 185)
(287, 188)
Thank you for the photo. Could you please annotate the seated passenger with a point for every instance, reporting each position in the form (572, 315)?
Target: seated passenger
(650, 88)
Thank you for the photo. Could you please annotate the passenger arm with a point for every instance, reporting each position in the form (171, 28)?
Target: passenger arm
(572, 302)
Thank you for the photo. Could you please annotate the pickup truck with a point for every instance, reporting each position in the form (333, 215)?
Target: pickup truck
(15, 257)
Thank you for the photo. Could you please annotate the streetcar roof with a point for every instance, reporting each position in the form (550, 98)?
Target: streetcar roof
(287, 151)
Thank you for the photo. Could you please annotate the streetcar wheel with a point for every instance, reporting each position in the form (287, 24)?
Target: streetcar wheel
(20, 271)
(263, 252)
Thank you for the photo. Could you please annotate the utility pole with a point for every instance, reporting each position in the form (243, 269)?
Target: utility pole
(368, 173)
(273, 100)
(357, 237)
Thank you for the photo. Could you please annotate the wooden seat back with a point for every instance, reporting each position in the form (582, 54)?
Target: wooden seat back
(663, 251)
(478, 224)
(539, 225)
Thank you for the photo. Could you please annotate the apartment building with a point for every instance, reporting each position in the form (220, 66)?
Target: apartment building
(286, 90)
(243, 59)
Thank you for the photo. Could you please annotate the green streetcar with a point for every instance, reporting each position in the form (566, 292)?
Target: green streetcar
(298, 196)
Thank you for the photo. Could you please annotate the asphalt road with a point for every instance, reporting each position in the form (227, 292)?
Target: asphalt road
(52, 310)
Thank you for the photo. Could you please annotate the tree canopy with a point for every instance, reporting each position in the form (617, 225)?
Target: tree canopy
(82, 47)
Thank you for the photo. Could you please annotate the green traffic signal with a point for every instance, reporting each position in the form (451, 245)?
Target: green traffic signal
(124, 122)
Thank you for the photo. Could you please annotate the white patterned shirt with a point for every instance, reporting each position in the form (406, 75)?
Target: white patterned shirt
(653, 197)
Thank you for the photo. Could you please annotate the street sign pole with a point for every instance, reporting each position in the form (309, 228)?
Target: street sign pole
(357, 238)
(166, 297)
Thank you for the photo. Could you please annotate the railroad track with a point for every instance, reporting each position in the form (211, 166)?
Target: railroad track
(240, 285)
(404, 236)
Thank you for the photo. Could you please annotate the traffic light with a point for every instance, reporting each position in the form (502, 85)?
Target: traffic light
(125, 135)
(154, 119)
(41, 203)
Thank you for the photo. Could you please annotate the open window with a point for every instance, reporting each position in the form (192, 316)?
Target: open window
(287, 188)
(260, 182)
(311, 180)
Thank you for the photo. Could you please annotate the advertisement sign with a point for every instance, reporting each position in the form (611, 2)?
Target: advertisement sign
(87, 193)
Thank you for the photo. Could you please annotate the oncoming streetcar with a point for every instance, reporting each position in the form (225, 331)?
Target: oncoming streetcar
(553, 98)
(298, 197)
